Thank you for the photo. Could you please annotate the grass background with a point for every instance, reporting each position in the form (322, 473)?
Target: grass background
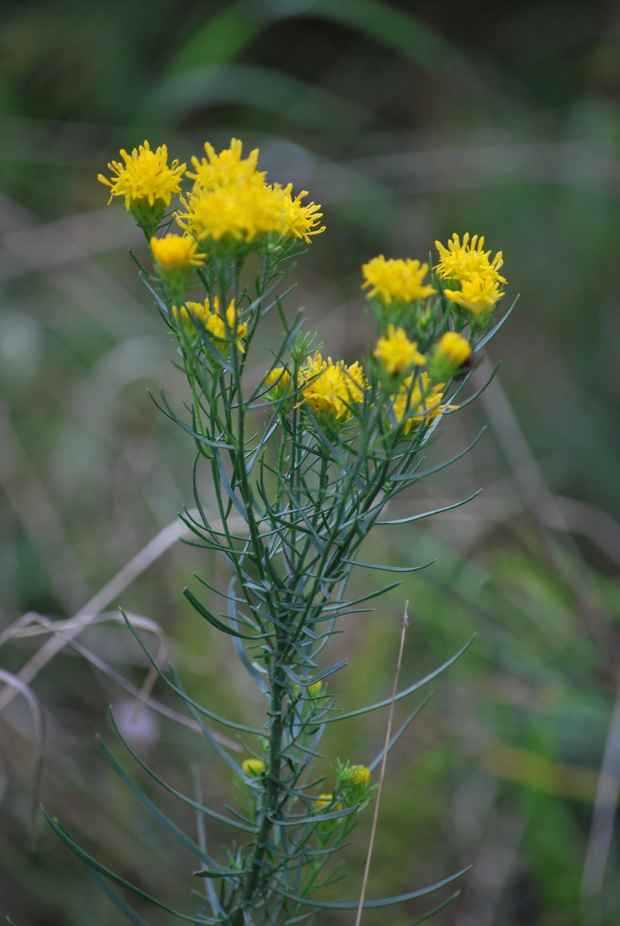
(407, 121)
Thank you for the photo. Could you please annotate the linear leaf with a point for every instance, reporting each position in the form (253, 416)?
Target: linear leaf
(216, 622)
(231, 724)
(406, 691)
(201, 808)
(108, 873)
(381, 902)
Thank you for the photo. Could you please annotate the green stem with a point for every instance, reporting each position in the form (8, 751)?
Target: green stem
(271, 803)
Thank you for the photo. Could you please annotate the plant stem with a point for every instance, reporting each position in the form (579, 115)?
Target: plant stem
(273, 780)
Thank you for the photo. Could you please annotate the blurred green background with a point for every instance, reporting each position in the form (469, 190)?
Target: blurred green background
(407, 121)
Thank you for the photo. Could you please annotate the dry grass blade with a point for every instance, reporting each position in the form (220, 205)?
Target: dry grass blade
(388, 737)
(38, 724)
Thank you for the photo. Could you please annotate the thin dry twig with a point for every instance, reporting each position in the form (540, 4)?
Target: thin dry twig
(388, 737)
(604, 813)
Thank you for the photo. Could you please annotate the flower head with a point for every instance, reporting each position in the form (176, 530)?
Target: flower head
(466, 259)
(144, 176)
(451, 351)
(232, 202)
(226, 169)
(355, 775)
(330, 388)
(176, 252)
(253, 768)
(246, 211)
(418, 402)
(396, 280)
(207, 314)
(396, 353)
(315, 690)
(478, 294)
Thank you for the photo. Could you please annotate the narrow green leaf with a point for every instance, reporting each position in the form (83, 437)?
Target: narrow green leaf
(196, 805)
(217, 623)
(406, 691)
(429, 514)
(231, 724)
(381, 902)
(108, 873)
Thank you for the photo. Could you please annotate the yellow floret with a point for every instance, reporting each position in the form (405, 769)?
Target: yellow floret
(396, 280)
(253, 767)
(397, 353)
(144, 176)
(176, 252)
(464, 259)
(330, 387)
(478, 294)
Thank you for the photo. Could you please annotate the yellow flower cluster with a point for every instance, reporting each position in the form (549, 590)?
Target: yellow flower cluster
(418, 402)
(396, 280)
(144, 176)
(231, 200)
(331, 387)
(208, 315)
(467, 262)
(176, 252)
(397, 353)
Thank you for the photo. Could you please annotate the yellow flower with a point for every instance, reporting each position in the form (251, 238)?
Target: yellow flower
(395, 280)
(478, 294)
(450, 352)
(315, 690)
(422, 405)
(208, 315)
(244, 211)
(235, 213)
(144, 176)
(253, 767)
(454, 347)
(323, 801)
(228, 168)
(357, 775)
(176, 252)
(397, 353)
(330, 387)
(466, 259)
